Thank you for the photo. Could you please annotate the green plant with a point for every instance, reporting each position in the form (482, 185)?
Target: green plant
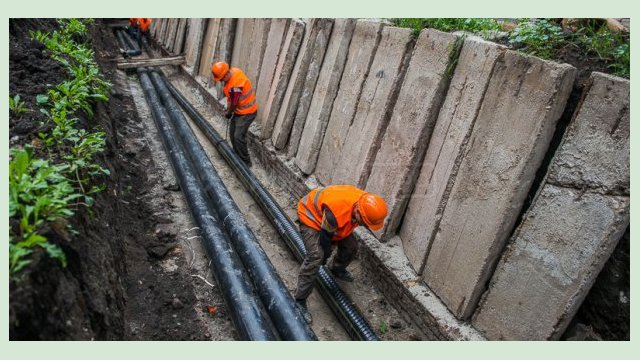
(539, 38)
(16, 105)
(38, 193)
(383, 327)
(611, 47)
(474, 25)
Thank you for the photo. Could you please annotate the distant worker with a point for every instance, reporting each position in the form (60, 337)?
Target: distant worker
(241, 105)
(327, 217)
(139, 28)
(145, 25)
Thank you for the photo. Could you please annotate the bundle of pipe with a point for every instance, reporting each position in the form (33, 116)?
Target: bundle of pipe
(125, 43)
(347, 313)
(246, 313)
(279, 304)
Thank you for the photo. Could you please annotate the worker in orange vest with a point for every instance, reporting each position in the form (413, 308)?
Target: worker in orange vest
(242, 107)
(328, 216)
(139, 28)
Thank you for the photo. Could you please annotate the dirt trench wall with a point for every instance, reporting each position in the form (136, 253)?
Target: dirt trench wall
(451, 130)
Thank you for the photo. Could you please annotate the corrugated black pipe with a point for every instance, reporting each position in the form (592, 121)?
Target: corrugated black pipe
(248, 317)
(354, 323)
(126, 45)
(275, 297)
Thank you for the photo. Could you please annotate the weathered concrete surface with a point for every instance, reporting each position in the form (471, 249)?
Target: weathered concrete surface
(155, 26)
(326, 88)
(512, 132)
(595, 152)
(171, 34)
(193, 46)
(239, 49)
(162, 30)
(274, 44)
(313, 72)
(208, 50)
(326, 147)
(554, 259)
(180, 34)
(405, 141)
(572, 226)
(223, 48)
(258, 45)
(286, 62)
(376, 102)
(426, 200)
(312, 49)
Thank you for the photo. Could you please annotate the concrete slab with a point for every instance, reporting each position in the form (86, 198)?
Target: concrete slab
(572, 226)
(448, 139)
(258, 45)
(313, 48)
(171, 34)
(375, 105)
(274, 44)
(238, 40)
(512, 132)
(595, 151)
(155, 23)
(224, 47)
(320, 150)
(401, 153)
(320, 90)
(284, 67)
(208, 50)
(162, 31)
(555, 257)
(181, 31)
(193, 47)
(242, 43)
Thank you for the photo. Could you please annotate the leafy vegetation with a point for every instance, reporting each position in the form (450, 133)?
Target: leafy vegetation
(45, 192)
(16, 105)
(544, 38)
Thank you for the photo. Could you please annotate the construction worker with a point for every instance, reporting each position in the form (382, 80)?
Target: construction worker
(241, 105)
(145, 25)
(328, 216)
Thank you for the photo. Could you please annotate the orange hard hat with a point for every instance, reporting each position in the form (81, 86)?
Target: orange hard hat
(219, 70)
(373, 210)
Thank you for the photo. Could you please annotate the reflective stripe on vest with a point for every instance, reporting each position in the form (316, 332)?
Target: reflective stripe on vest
(247, 100)
(340, 199)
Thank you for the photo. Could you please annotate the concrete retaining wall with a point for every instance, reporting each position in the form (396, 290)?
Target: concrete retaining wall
(193, 45)
(572, 226)
(453, 149)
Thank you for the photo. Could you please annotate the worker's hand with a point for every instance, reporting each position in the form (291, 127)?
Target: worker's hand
(325, 245)
(228, 115)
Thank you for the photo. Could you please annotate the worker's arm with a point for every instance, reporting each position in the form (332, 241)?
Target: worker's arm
(328, 227)
(234, 97)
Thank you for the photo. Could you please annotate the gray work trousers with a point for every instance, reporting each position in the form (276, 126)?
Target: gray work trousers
(238, 131)
(347, 250)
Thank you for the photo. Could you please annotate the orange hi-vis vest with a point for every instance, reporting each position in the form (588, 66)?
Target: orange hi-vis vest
(247, 103)
(144, 24)
(340, 199)
(133, 22)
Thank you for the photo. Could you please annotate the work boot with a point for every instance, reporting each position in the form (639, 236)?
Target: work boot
(342, 274)
(306, 315)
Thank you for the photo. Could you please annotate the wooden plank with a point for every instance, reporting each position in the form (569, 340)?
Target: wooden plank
(173, 60)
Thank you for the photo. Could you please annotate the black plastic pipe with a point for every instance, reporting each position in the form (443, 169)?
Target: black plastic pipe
(248, 317)
(275, 297)
(351, 319)
(126, 44)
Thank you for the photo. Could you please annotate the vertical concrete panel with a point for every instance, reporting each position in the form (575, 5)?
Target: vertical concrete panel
(326, 89)
(224, 47)
(242, 43)
(314, 44)
(194, 45)
(361, 51)
(446, 147)
(522, 104)
(180, 35)
(268, 68)
(171, 34)
(208, 50)
(258, 46)
(374, 107)
(155, 24)
(405, 141)
(286, 62)
(572, 226)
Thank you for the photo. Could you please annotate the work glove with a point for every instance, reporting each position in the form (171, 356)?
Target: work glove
(325, 245)
(228, 115)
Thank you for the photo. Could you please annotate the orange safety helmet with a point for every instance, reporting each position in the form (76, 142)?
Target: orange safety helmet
(373, 210)
(219, 70)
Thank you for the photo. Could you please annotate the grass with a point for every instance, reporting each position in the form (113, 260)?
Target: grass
(17, 106)
(543, 38)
